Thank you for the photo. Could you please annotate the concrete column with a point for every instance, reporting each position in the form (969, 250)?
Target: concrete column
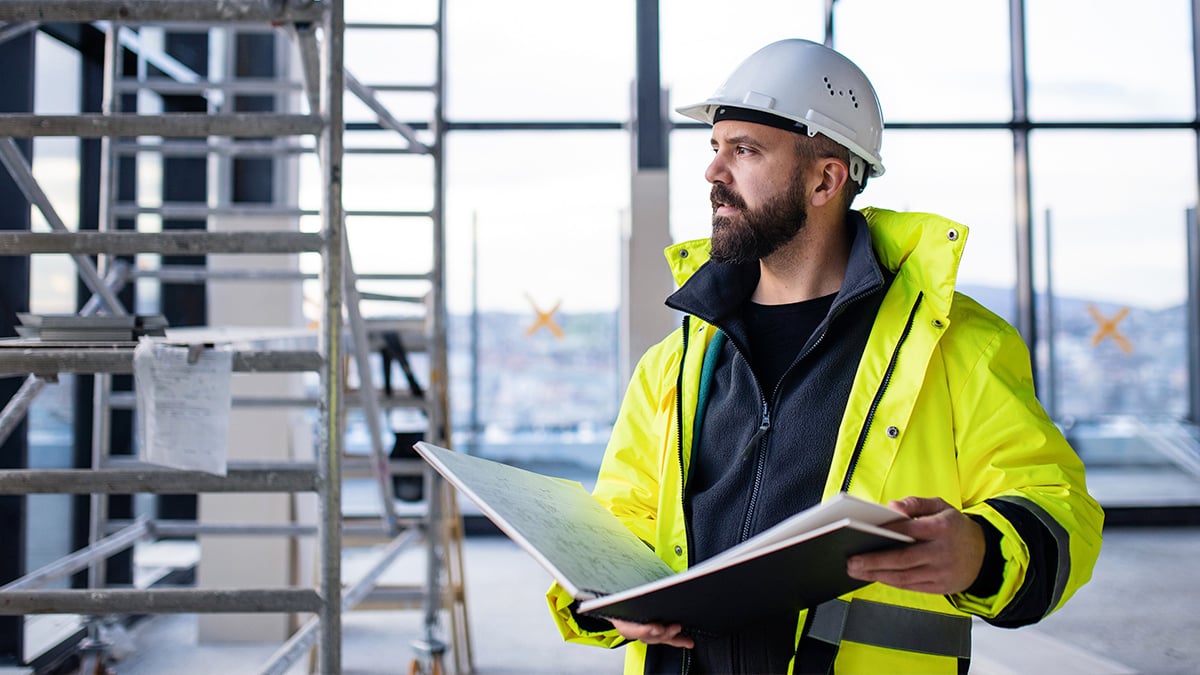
(255, 434)
(645, 279)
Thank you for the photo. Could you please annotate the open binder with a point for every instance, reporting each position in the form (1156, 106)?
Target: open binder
(798, 563)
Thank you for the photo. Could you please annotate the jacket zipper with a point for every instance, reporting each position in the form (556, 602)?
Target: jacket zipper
(764, 425)
(687, 653)
(765, 421)
(887, 378)
(756, 441)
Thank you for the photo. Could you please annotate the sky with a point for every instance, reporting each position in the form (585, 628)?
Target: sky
(549, 209)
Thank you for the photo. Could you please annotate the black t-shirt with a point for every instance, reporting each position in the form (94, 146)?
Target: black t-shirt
(777, 333)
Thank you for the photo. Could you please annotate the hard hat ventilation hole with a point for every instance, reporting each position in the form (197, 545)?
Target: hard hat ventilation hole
(828, 85)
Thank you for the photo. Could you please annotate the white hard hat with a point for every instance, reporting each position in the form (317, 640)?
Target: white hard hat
(810, 84)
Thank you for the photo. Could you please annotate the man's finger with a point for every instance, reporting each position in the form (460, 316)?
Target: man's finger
(915, 507)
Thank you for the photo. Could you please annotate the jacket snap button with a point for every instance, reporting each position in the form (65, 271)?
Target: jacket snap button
(683, 253)
(678, 550)
(893, 432)
(952, 235)
(937, 323)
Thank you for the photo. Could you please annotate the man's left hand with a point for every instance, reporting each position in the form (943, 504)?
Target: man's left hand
(945, 559)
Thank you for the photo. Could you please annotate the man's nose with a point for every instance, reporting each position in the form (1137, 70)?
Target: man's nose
(717, 171)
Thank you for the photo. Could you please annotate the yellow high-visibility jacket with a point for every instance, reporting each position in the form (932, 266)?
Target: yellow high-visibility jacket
(957, 419)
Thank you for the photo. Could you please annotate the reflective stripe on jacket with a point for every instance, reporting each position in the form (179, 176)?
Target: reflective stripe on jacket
(942, 405)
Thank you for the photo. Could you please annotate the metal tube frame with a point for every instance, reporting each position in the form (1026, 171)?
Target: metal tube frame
(439, 424)
(97, 602)
(194, 125)
(156, 11)
(169, 243)
(295, 478)
(367, 397)
(9, 31)
(119, 360)
(102, 548)
(1193, 320)
(1193, 234)
(1022, 188)
(329, 466)
(326, 120)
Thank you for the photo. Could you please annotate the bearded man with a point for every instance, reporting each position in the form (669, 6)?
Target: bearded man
(824, 350)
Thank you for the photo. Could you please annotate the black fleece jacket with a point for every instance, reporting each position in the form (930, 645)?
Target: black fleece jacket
(760, 456)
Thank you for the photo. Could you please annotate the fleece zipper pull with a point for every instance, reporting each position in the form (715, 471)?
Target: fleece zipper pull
(763, 427)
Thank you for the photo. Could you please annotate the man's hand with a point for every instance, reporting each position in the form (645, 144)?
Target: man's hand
(653, 633)
(945, 558)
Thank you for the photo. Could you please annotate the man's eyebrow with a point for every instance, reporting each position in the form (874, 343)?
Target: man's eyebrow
(738, 140)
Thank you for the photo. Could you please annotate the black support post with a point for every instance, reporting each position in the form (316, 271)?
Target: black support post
(185, 179)
(16, 72)
(650, 121)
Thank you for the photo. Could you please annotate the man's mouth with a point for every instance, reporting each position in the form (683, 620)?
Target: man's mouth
(724, 201)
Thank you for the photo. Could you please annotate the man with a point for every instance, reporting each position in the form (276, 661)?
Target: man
(825, 350)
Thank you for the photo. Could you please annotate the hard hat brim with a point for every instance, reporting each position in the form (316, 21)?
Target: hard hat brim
(705, 111)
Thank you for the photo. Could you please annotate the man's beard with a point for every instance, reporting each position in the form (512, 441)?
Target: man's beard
(755, 234)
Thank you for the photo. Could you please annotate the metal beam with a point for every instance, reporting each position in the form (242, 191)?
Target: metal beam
(214, 147)
(1022, 186)
(9, 31)
(650, 128)
(331, 415)
(1193, 315)
(17, 406)
(183, 125)
(190, 528)
(385, 117)
(27, 359)
(200, 211)
(158, 11)
(286, 478)
(176, 242)
(95, 602)
(114, 543)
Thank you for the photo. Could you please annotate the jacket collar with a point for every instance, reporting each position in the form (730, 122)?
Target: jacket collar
(713, 291)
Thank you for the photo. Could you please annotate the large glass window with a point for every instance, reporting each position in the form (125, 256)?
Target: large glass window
(539, 60)
(931, 60)
(1109, 60)
(533, 226)
(1118, 263)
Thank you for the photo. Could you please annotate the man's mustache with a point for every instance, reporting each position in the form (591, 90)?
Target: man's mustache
(722, 194)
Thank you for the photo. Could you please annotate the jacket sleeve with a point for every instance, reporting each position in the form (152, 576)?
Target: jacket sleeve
(1018, 472)
(628, 481)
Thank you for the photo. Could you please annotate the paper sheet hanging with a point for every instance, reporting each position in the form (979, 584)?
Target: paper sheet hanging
(183, 406)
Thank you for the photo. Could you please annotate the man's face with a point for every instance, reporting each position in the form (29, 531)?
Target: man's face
(757, 195)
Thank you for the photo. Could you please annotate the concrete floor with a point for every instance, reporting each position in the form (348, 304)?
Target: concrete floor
(1138, 615)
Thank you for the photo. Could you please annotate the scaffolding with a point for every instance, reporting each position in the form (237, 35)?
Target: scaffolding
(317, 29)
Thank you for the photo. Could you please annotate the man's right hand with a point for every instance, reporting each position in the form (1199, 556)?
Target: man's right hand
(653, 633)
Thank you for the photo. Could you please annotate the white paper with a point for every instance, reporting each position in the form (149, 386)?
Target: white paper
(183, 408)
(556, 521)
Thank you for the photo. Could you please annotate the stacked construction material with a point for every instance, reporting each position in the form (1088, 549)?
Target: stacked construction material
(98, 328)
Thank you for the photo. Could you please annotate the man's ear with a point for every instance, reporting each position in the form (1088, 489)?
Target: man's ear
(831, 176)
